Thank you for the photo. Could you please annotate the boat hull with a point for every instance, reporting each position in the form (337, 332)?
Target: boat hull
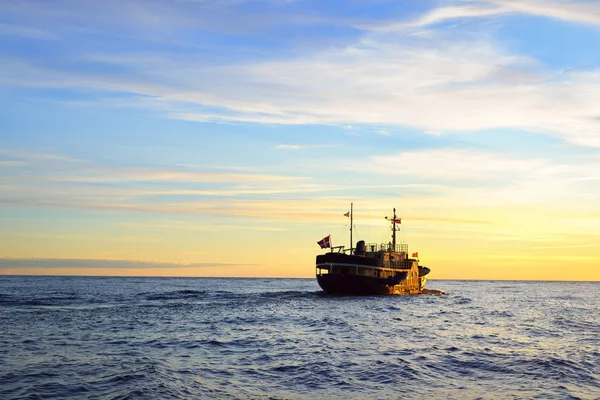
(362, 285)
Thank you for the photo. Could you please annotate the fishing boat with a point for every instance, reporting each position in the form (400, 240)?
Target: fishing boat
(370, 269)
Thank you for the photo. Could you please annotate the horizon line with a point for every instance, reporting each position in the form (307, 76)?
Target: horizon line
(278, 277)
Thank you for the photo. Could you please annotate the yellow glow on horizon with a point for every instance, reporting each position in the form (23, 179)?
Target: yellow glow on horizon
(510, 242)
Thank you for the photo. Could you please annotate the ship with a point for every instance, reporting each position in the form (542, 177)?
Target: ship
(370, 268)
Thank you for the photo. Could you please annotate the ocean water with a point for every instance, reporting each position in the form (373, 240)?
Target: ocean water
(171, 338)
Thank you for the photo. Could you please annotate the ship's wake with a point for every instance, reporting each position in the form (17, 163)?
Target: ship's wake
(432, 292)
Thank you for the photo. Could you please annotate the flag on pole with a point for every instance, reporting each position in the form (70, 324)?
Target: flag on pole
(347, 214)
(398, 220)
(325, 242)
(416, 254)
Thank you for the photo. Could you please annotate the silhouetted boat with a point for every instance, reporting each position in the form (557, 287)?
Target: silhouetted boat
(370, 269)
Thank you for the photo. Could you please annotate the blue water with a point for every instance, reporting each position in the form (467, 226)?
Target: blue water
(161, 338)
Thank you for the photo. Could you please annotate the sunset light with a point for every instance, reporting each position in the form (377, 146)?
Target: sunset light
(181, 138)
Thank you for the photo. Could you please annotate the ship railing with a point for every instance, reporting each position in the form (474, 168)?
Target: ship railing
(338, 249)
(375, 247)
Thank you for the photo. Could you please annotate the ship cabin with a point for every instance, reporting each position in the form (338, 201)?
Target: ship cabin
(372, 260)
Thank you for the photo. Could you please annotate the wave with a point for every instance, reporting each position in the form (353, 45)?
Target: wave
(41, 301)
(175, 295)
(285, 339)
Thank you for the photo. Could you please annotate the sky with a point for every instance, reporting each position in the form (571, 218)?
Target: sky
(225, 138)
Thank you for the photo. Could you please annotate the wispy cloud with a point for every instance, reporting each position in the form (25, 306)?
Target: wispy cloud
(439, 15)
(575, 11)
(115, 174)
(443, 82)
(575, 246)
(25, 31)
(35, 235)
(209, 167)
(157, 175)
(303, 146)
(21, 157)
(435, 178)
(185, 226)
(6, 263)
(452, 164)
(11, 163)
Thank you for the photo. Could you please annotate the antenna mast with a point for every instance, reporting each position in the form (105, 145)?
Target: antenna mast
(394, 231)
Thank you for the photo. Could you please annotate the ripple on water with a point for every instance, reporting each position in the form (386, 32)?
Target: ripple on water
(153, 338)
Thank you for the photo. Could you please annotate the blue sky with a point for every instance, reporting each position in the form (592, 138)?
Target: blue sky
(137, 129)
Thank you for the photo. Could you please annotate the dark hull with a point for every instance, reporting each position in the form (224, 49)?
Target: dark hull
(359, 285)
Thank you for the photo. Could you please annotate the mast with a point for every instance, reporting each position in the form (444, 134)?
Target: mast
(394, 231)
(351, 209)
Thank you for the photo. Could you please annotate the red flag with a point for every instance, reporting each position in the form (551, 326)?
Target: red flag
(325, 242)
(398, 220)
(347, 214)
(416, 254)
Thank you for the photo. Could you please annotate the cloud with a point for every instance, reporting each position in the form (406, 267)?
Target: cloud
(477, 178)
(11, 163)
(452, 164)
(574, 11)
(91, 174)
(28, 156)
(161, 175)
(27, 32)
(439, 178)
(433, 84)
(11, 263)
(576, 246)
(209, 167)
(54, 236)
(302, 146)
(439, 15)
(450, 80)
(185, 226)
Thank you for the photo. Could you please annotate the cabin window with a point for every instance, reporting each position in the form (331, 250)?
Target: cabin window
(341, 270)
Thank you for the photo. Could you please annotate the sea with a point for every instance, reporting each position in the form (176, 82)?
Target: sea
(207, 338)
